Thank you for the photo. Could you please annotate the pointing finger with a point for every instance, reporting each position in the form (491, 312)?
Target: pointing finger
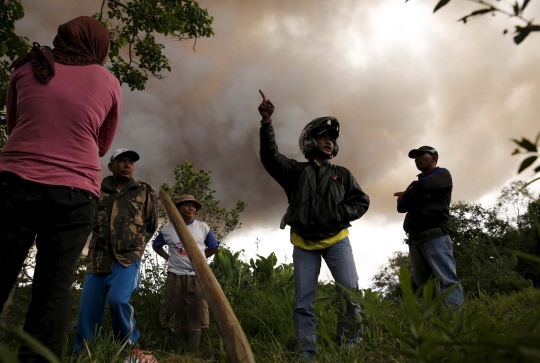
(263, 96)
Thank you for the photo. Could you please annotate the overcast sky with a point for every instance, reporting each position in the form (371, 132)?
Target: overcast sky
(396, 75)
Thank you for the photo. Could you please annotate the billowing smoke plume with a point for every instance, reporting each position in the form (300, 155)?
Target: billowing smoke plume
(396, 76)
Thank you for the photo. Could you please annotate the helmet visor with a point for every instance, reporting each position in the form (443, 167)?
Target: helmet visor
(326, 130)
(326, 125)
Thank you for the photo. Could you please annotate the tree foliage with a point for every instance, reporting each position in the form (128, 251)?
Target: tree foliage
(11, 46)
(134, 25)
(484, 241)
(514, 10)
(197, 183)
(386, 280)
(529, 148)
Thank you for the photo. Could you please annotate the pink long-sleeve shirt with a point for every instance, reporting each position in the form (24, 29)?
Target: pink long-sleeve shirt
(58, 131)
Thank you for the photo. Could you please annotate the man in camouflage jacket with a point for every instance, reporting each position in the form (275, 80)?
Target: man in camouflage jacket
(127, 220)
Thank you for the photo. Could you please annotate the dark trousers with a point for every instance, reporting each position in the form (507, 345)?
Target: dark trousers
(59, 219)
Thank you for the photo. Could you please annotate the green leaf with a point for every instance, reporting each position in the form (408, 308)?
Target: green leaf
(444, 327)
(440, 4)
(526, 256)
(8, 355)
(475, 13)
(428, 292)
(435, 336)
(36, 346)
(410, 301)
(526, 163)
(526, 144)
(439, 300)
(370, 308)
(3, 48)
(516, 8)
(481, 11)
(523, 32)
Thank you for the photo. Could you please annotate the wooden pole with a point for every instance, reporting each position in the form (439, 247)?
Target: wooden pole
(234, 339)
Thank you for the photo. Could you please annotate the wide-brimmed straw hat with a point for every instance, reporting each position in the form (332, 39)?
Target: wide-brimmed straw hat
(188, 198)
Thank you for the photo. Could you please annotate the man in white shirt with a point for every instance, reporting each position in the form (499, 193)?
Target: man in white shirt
(183, 292)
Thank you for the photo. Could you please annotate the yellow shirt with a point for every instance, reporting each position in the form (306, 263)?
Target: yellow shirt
(306, 244)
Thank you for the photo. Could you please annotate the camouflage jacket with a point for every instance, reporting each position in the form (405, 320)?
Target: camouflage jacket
(126, 221)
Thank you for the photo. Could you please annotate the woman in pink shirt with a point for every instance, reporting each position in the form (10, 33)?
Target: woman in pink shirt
(62, 114)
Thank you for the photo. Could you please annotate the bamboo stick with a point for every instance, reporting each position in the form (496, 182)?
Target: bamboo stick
(234, 339)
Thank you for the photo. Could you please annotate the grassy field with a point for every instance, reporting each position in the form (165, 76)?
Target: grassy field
(417, 328)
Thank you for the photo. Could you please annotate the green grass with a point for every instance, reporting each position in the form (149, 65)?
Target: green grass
(265, 312)
(499, 328)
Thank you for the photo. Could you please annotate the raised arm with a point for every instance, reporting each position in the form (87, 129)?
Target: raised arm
(276, 164)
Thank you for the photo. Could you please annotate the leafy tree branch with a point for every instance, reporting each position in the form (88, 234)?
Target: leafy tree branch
(197, 183)
(511, 9)
(135, 54)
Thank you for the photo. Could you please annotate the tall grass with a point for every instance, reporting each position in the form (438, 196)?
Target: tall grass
(419, 328)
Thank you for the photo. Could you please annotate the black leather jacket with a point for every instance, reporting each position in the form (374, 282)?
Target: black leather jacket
(323, 200)
(427, 203)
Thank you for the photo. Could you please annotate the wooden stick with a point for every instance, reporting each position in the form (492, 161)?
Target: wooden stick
(234, 339)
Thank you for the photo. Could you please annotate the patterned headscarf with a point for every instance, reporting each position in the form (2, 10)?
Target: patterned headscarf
(79, 42)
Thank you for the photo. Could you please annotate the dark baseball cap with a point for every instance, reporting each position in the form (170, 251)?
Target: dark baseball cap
(423, 149)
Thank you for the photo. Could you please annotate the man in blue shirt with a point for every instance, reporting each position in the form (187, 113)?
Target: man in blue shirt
(427, 204)
(183, 292)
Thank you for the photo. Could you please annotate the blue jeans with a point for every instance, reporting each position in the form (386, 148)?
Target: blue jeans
(120, 285)
(434, 258)
(307, 265)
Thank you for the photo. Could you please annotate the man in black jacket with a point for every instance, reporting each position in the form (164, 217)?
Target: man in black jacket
(427, 204)
(323, 200)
